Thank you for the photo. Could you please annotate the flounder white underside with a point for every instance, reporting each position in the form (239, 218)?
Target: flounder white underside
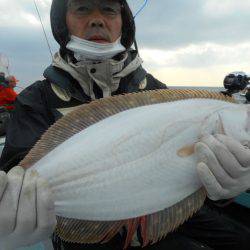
(127, 165)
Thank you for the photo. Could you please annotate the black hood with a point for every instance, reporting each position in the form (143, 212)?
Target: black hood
(61, 34)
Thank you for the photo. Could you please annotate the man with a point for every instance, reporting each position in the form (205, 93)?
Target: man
(96, 60)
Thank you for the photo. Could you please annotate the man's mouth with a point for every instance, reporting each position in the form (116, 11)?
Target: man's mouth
(98, 39)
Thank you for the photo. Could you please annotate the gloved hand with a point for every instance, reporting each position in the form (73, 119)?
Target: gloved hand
(223, 166)
(26, 209)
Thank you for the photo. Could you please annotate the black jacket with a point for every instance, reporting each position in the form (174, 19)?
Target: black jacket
(3, 82)
(36, 108)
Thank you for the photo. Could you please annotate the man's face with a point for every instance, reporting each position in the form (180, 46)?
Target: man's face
(95, 20)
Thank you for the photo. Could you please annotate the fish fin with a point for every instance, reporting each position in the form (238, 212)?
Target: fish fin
(131, 230)
(166, 221)
(248, 120)
(221, 128)
(152, 228)
(143, 230)
(212, 124)
(186, 151)
(88, 114)
(87, 232)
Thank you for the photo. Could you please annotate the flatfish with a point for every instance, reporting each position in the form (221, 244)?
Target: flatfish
(127, 163)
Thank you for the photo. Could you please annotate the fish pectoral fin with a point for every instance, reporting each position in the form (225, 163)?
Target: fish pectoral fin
(186, 151)
(248, 120)
(220, 126)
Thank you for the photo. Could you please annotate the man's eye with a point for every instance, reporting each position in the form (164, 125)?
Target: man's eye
(83, 9)
(110, 11)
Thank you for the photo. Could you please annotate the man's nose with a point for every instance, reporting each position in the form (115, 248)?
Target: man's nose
(96, 22)
(96, 19)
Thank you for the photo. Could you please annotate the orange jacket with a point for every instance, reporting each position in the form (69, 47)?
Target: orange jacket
(7, 97)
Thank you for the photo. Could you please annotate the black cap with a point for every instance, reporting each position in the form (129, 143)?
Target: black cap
(60, 30)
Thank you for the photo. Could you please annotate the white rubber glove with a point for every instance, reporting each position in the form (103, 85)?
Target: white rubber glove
(223, 166)
(26, 209)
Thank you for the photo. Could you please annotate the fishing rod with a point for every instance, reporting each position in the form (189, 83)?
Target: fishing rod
(8, 65)
(141, 9)
(44, 32)
(136, 14)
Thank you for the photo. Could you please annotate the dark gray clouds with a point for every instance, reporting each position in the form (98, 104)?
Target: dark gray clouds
(166, 25)
(27, 51)
(171, 24)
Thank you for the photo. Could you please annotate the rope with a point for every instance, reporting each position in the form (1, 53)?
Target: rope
(45, 35)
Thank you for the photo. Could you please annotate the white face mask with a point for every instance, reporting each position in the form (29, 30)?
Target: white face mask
(87, 50)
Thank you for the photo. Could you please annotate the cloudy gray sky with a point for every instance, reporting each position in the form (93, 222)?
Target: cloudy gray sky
(182, 42)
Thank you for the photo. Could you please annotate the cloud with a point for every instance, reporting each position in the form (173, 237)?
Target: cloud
(173, 24)
(205, 64)
(196, 56)
(178, 40)
(225, 8)
(27, 51)
(22, 38)
(23, 13)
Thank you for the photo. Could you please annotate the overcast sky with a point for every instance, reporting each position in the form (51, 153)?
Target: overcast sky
(182, 42)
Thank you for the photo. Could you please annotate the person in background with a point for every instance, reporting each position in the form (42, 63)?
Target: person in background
(2, 77)
(7, 98)
(7, 92)
(96, 60)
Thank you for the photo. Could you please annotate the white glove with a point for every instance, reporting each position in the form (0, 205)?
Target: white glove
(223, 166)
(26, 209)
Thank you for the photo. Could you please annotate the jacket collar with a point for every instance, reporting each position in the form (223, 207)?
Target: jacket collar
(130, 77)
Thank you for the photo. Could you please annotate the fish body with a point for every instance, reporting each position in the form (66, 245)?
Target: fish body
(127, 165)
(133, 168)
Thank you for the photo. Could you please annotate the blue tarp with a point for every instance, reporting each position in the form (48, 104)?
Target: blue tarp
(243, 199)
